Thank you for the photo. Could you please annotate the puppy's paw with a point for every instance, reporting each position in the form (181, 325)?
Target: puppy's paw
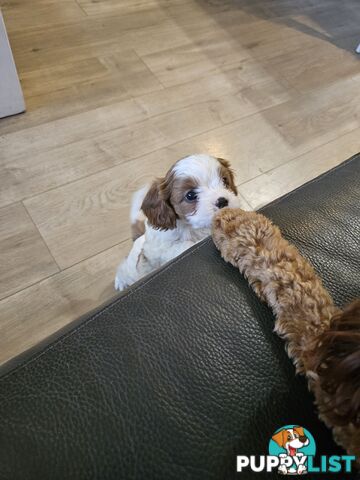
(301, 470)
(120, 284)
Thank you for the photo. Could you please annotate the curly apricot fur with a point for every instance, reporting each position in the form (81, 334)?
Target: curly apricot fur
(322, 341)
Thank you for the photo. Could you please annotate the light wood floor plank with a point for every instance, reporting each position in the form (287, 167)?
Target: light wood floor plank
(188, 62)
(281, 133)
(275, 183)
(126, 71)
(25, 177)
(223, 95)
(47, 80)
(310, 68)
(24, 257)
(247, 94)
(322, 114)
(116, 78)
(102, 7)
(38, 13)
(149, 34)
(69, 129)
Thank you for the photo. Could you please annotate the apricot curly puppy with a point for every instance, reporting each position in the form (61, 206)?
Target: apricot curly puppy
(322, 341)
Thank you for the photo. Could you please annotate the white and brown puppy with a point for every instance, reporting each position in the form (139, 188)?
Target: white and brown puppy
(175, 212)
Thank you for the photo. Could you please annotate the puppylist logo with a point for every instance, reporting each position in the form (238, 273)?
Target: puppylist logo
(293, 445)
(292, 451)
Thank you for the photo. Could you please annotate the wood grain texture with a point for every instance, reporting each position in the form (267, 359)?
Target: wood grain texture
(285, 178)
(47, 80)
(220, 99)
(188, 62)
(118, 78)
(319, 116)
(117, 91)
(39, 13)
(101, 7)
(220, 90)
(69, 129)
(24, 257)
(114, 70)
(310, 68)
(59, 91)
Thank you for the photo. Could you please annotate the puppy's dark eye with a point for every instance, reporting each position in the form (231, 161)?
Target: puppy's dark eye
(191, 196)
(226, 181)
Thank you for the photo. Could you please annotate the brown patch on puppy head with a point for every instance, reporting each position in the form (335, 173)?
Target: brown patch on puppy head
(227, 175)
(180, 187)
(157, 204)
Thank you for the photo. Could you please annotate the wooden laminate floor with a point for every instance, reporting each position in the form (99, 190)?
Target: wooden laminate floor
(116, 91)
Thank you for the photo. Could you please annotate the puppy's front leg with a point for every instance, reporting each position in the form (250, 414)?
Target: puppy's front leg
(122, 278)
(130, 270)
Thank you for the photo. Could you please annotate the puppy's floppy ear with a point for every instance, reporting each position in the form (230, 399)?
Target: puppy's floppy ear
(225, 163)
(300, 431)
(157, 207)
(229, 174)
(280, 438)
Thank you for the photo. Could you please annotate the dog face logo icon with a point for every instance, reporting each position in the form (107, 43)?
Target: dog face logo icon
(293, 445)
(292, 451)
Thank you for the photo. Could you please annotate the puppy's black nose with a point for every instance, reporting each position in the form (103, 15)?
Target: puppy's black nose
(222, 202)
(303, 439)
